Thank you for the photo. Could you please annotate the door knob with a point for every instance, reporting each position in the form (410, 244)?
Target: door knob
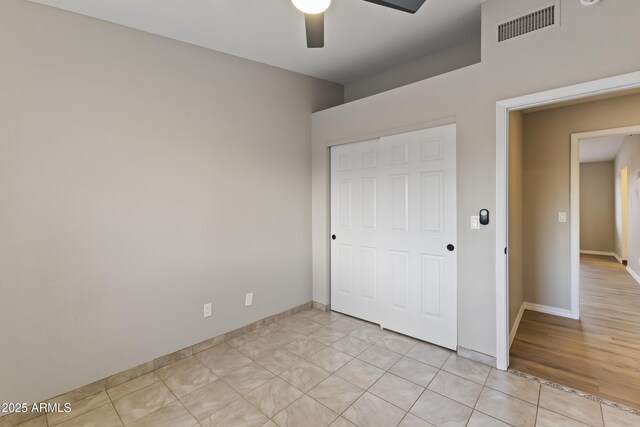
(450, 247)
(333, 236)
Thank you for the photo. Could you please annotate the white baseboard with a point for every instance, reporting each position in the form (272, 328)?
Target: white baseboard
(613, 254)
(548, 310)
(512, 335)
(633, 274)
(597, 253)
(477, 356)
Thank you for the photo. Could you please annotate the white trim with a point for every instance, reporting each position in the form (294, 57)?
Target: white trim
(512, 335)
(502, 272)
(582, 90)
(617, 257)
(633, 274)
(574, 236)
(601, 253)
(562, 312)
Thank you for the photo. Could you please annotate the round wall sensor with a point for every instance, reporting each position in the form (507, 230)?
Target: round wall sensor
(589, 2)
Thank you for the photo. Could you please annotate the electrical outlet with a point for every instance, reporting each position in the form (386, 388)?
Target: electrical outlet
(248, 300)
(207, 309)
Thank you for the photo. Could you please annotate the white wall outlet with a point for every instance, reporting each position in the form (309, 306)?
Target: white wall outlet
(248, 300)
(207, 310)
(562, 217)
(475, 222)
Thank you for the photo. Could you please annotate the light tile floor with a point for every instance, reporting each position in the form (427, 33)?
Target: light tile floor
(326, 369)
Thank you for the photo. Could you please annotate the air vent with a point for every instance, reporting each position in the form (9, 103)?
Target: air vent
(536, 20)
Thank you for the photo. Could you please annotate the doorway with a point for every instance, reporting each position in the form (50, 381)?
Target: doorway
(556, 340)
(597, 352)
(572, 93)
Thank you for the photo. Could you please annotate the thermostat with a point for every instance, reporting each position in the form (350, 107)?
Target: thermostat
(484, 216)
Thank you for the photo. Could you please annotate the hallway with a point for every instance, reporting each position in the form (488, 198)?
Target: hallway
(598, 354)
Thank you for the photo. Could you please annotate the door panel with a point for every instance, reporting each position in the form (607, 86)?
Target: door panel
(399, 279)
(393, 205)
(432, 207)
(400, 202)
(432, 283)
(369, 202)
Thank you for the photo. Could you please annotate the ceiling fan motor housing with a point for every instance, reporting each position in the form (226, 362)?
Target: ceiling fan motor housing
(314, 15)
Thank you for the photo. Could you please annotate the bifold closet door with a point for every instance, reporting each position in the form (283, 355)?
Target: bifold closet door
(393, 225)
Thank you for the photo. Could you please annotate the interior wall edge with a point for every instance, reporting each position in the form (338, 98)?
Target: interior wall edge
(516, 324)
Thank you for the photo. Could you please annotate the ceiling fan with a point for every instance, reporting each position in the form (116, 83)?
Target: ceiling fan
(314, 15)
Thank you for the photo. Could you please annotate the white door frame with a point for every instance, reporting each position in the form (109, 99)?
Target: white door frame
(503, 107)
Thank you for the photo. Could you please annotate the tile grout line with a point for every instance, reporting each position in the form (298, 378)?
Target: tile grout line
(385, 371)
(275, 376)
(174, 395)
(250, 328)
(538, 406)
(427, 388)
(575, 392)
(484, 385)
(114, 405)
(179, 400)
(334, 373)
(330, 374)
(538, 403)
(253, 361)
(75, 416)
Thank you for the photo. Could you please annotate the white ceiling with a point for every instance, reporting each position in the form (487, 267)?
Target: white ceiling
(361, 38)
(600, 149)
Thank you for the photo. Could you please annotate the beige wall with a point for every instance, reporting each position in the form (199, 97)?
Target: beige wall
(547, 147)
(629, 156)
(139, 179)
(607, 35)
(457, 56)
(597, 207)
(515, 215)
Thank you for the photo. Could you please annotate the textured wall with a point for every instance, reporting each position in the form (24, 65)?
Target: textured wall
(139, 179)
(597, 207)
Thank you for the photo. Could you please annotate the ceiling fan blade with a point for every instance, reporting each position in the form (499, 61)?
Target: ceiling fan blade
(410, 6)
(314, 25)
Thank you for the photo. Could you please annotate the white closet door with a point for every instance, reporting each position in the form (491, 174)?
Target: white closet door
(354, 217)
(393, 213)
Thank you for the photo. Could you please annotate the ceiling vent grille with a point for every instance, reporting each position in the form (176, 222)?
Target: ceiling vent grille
(533, 21)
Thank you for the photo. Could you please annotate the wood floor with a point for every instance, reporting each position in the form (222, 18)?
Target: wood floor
(598, 354)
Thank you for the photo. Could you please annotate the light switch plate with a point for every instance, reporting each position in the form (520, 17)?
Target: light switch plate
(248, 300)
(207, 310)
(562, 217)
(475, 222)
